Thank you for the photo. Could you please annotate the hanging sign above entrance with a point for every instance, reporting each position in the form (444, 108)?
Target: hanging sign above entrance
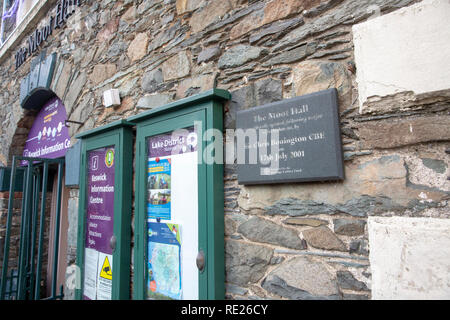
(49, 137)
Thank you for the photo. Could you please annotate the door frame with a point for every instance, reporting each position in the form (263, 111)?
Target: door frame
(63, 226)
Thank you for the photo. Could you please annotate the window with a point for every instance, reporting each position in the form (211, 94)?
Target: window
(13, 12)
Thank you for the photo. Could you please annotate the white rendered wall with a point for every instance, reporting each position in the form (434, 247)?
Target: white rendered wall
(406, 50)
(409, 258)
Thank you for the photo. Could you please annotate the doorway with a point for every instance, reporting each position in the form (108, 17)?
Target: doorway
(35, 241)
(33, 267)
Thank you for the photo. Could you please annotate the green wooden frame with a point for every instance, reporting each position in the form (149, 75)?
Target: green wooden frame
(120, 135)
(206, 107)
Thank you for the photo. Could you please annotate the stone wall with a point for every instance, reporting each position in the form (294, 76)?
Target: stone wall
(293, 241)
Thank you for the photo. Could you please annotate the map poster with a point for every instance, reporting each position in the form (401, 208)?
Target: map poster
(159, 189)
(164, 261)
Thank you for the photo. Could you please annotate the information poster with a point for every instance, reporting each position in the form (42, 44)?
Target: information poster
(99, 224)
(164, 263)
(172, 215)
(159, 182)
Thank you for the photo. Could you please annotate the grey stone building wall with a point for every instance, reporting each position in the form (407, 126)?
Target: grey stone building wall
(293, 241)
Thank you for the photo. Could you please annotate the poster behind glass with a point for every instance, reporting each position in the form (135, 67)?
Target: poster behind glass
(172, 215)
(99, 224)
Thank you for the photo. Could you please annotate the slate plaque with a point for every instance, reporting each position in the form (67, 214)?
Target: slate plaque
(309, 144)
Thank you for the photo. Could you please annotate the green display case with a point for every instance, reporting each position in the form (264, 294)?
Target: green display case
(170, 169)
(105, 204)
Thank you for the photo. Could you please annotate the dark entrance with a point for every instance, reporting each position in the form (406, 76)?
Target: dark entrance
(31, 249)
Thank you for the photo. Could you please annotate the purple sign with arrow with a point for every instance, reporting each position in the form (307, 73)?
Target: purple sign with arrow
(49, 137)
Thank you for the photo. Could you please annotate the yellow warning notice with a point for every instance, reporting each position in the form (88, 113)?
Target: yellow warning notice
(106, 271)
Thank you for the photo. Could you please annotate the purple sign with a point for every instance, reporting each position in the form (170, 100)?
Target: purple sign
(176, 142)
(100, 199)
(49, 137)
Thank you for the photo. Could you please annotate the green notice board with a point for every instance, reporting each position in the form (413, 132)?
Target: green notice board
(179, 222)
(103, 249)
